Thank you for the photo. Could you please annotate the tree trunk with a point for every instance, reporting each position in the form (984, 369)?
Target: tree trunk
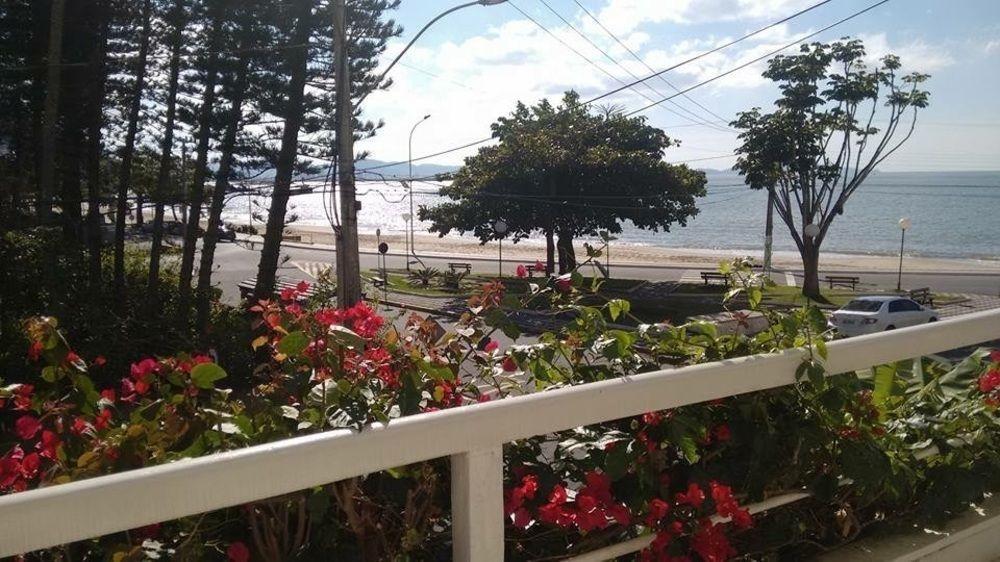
(196, 196)
(140, 202)
(294, 113)
(349, 270)
(567, 255)
(810, 268)
(128, 151)
(71, 193)
(219, 198)
(163, 175)
(550, 252)
(95, 122)
(51, 111)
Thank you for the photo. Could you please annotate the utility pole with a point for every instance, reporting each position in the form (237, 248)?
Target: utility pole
(349, 272)
(769, 231)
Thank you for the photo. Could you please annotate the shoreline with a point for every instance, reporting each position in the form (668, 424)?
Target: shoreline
(625, 254)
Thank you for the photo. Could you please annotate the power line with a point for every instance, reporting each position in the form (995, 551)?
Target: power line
(577, 53)
(617, 90)
(764, 56)
(697, 119)
(649, 68)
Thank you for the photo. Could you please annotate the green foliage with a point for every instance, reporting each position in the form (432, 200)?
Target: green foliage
(566, 170)
(423, 277)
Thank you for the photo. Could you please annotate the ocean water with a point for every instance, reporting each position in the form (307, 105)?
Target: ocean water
(953, 214)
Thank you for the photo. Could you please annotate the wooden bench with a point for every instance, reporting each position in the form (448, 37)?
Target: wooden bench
(922, 296)
(456, 265)
(247, 287)
(532, 270)
(711, 276)
(379, 282)
(842, 281)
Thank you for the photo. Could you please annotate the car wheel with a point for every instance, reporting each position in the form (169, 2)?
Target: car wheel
(933, 319)
(890, 327)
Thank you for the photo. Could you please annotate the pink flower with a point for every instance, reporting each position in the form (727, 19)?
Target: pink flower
(564, 283)
(509, 364)
(27, 427)
(522, 271)
(491, 346)
(694, 496)
(100, 361)
(989, 381)
(302, 286)
(540, 267)
(238, 552)
(287, 294)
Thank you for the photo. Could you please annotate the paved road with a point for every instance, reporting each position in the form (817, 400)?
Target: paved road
(239, 261)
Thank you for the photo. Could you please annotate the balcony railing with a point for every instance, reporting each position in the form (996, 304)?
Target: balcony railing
(472, 436)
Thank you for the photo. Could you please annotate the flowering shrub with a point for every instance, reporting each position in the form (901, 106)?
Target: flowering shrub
(682, 476)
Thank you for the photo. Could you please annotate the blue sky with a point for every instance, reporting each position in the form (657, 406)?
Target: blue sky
(476, 64)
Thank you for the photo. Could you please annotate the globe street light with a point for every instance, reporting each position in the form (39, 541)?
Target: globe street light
(500, 227)
(904, 223)
(413, 239)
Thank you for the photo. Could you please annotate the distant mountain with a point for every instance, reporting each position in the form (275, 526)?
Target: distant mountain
(402, 170)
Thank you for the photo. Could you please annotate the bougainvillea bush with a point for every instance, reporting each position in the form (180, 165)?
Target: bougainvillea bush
(684, 477)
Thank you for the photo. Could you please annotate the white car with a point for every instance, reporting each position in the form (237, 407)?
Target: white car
(866, 315)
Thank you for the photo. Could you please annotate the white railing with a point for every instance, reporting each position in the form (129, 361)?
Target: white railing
(472, 436)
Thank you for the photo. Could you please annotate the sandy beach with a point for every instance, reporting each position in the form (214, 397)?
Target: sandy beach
(622, 253)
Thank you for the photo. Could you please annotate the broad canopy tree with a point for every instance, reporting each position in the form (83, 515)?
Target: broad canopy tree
(567, 172)
(820, 144)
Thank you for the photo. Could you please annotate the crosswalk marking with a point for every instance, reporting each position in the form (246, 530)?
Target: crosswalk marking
(313, 268)
(691, 276)
(789, 279)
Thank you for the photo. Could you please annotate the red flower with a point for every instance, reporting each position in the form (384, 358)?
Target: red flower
(144, 369)
(30, 465)
(694, 496)
(72, 357)
(302, 286)
(294, 309)
(658, 509)
(539, 266)
(727, 506)
(652, 418)
(287, 294)
(27, 427)
(103, 419)
(509, 364)
(491, 346)
(49, 444)
(711, 544)
(989, 381)
(522, 271)
(564, 283)
(22, 396)
(35, 350)
(10, 468)
(995, 356)
(599, 486)
(238, 552)
(722, 433)
(100, 361)
(522, 518)
(80, 426)
(328, 316)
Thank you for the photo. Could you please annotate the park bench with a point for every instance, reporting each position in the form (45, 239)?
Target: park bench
(247, 288)
(457, 265)
(922, 296)
(712, 276)
(533, 269)
(842, 281)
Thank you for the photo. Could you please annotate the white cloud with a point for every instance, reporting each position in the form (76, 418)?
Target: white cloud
(915, 55)
(991, 46)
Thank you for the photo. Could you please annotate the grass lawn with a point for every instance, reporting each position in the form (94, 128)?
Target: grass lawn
(792, 296)
(399, 282)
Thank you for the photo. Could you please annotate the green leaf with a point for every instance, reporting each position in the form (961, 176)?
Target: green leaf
(204, 375)
(616, 461)
(345, 338)
(293, 344)
(617, 307)
(50, 374)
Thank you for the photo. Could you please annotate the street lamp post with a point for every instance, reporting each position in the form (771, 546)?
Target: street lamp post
(413, 251)
(500, 227)
(406, 239)
(904, 223)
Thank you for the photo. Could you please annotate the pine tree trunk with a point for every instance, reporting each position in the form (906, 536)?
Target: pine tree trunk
(163, 175)
(567, 255)
(51, 110)
(294, 114)
(71, 193)
(218, 199)
(128, 151)
(96, 120)
(196, 196)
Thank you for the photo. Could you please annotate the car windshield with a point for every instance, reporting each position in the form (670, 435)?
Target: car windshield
(863, 306)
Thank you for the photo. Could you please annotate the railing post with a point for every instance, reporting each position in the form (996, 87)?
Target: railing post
(477, 505)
